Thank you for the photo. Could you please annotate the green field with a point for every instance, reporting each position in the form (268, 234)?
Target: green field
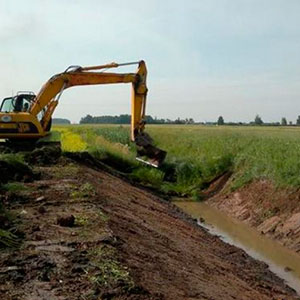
(197, 153)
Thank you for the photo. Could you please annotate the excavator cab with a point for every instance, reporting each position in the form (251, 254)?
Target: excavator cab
(19, 103)
(18, 128)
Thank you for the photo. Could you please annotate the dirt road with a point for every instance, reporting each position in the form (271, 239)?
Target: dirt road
(91, 235)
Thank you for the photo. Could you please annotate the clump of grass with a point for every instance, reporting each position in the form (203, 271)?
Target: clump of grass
(14, 187)
(8, 239)
(88, 190)
(85, 191)
(13, 158)
(103, 216)
(109, 272)
(81, 220)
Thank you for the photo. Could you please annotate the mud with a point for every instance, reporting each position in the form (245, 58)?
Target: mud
(125, 243)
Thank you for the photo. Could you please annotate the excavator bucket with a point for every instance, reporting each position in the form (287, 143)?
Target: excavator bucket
(153, 156)
(147, 153)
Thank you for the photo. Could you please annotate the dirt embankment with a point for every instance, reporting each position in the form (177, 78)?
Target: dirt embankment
(90, 235)
(273, 212)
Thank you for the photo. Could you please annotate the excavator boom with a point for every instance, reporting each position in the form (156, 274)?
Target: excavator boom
(34, 122)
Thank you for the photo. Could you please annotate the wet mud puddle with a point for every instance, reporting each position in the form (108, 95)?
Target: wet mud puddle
(283, 262)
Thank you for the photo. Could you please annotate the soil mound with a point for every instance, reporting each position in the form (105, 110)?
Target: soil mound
(46, 155)
(15, 171)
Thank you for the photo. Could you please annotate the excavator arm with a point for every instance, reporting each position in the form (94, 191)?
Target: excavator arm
(48, 97)
(75, 76)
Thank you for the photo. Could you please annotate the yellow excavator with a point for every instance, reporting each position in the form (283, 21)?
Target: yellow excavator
(26, 117)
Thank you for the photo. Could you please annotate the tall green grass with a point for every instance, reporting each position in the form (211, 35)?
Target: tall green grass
(200, 153)
(250, 152)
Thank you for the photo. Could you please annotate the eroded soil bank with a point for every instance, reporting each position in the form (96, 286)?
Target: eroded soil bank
(90, 235)
(273, 212)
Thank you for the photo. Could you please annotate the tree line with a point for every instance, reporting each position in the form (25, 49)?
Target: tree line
(60, 121)
(258, 121)
(125, 119)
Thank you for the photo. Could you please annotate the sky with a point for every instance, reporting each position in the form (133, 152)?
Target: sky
(205, 58)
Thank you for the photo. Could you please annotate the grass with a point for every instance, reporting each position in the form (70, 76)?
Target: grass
(200, 153)
(250, 152)
(87, 190)
(8, 239)
(13, 158)
(14, 187)
(109, 271)
(81, 220)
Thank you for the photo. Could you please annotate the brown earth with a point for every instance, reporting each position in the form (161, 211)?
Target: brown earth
(91, 235)
(272, 211)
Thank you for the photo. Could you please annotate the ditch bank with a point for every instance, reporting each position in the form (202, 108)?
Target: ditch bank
(87, 234)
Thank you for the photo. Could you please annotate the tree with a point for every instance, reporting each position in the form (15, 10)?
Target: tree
(298, 121)
(220, 121)
(258, 120)
(283, 121)
(60, 121)
(86, 120)
(179, 121)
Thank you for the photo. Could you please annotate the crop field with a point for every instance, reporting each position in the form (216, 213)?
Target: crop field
(197, 154)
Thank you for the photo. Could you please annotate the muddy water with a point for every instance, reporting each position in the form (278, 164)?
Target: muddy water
(281, 261)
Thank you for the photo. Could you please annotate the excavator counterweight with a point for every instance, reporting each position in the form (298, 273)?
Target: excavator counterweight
(26, 117)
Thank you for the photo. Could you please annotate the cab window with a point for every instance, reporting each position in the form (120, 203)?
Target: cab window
(15, 104)
(7, 105)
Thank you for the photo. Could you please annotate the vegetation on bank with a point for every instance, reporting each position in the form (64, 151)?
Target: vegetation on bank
(198, 154)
